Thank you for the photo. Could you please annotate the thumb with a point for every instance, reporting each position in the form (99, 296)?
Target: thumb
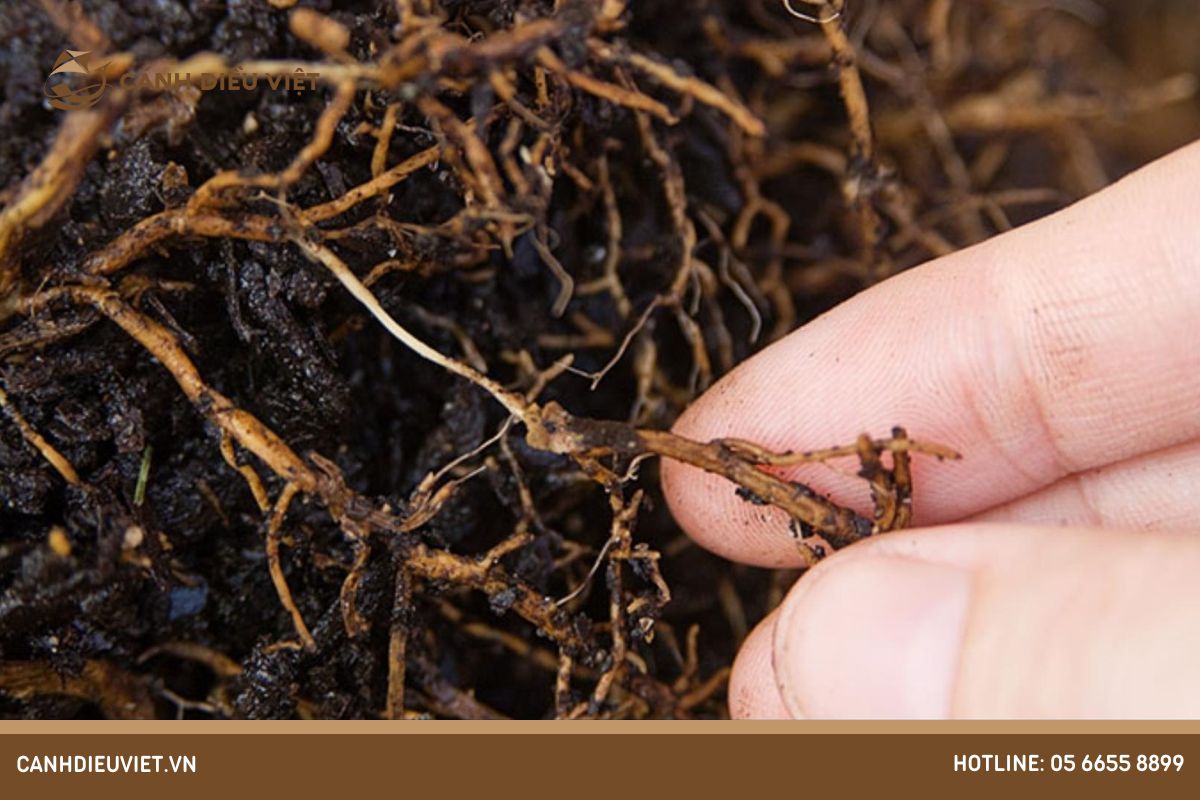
(986, 621)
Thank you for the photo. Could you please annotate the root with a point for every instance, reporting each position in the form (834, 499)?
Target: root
(50, 186)
(119, 694)
(56, 459)
(398, 644)
(285, 594)
(553, 429)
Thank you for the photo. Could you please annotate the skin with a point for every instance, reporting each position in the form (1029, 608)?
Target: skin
(1053, 572)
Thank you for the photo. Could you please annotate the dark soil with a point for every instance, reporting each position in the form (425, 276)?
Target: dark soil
(143, 589)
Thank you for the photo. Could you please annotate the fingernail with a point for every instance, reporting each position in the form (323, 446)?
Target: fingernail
(872, 637)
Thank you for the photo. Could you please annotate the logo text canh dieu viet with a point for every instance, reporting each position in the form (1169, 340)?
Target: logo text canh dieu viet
(76, 83)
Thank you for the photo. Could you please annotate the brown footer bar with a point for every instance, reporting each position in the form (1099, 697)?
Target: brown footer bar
(572, 763)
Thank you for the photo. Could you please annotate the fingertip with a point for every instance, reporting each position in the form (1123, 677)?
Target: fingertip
(801, 394)
(753, 688)
(994, 621)
(870, 636)
(708, 507)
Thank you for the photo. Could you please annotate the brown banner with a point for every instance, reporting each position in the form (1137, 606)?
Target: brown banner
(724, 761)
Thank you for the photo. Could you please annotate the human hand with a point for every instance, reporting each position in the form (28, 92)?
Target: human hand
(1063, 361)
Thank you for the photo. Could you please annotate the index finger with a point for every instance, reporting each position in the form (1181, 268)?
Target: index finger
(1062, 346)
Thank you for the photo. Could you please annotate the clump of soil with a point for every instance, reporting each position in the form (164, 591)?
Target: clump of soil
(290, 427)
